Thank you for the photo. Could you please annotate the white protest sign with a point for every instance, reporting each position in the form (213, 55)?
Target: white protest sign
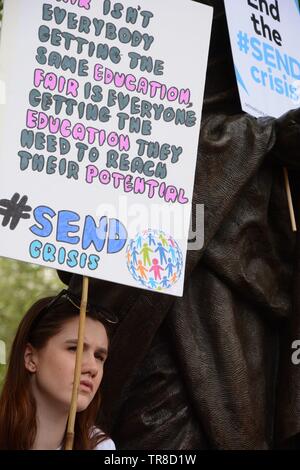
(264, 41)
(98, 135)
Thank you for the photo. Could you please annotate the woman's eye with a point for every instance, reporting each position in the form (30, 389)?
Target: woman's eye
(100, 358)
(72, 348)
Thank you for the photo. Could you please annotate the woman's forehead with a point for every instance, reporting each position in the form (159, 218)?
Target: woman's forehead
(95, 333)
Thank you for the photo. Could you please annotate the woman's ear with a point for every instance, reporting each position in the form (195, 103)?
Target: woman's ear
(30, 361)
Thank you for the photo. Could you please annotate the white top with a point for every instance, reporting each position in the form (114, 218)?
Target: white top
(107, 444)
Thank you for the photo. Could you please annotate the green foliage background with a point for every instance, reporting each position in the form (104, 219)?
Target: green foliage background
(20, 285)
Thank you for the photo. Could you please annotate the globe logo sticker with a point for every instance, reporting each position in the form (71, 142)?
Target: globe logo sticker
(154, 260)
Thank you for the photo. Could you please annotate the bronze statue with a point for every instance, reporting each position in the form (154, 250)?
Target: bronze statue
(213, 370)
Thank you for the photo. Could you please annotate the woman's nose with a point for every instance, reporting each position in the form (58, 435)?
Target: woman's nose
(89, 364)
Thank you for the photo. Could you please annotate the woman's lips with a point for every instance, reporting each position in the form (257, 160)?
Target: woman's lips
(86, 385)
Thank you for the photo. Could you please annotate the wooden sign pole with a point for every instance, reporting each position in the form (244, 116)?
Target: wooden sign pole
(77, 372)
(289, 198)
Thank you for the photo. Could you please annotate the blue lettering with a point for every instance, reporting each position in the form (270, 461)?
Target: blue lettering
(93, 262)
(254, 70)
(49, 253)
(82, 260)
(72, 258)
(268, 55)
(35, 249)
(64, 227)
(117, 236)
(92, 234)
(61, 255)
(256, 44)
(46, 226)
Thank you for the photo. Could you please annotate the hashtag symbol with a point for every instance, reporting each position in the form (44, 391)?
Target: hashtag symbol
(14, 210)
(243, 42)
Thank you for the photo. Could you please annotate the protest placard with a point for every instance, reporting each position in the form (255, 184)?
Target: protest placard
(266, 55)
(98, 135)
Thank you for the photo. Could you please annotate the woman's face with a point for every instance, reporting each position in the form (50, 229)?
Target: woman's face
(53, 366)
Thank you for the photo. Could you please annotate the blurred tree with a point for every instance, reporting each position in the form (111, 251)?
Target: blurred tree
(20, 285)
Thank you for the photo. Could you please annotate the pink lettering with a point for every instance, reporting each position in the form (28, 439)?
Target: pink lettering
(108, 76)
(79, 132)
(61, 84)
(139, 185)
(124, 142)
(65, 128)
(31, 119)
(152, 185)
(154, 86)
(142, 86)
(85, 4)
(81, 3)
(98, 72)
(102, 137)
(117, 177)
(128, 184)
(184, 96)
(173, 94)
(181, 197)
(112, 139)
(130, 82)
(73, 86)
(42, 121)
(91, 173)
(53, 125)
(171, 194)
(119, 79)
(92, 132)
(162, 189)
(104, 177)
(38, 77)
(50, 81)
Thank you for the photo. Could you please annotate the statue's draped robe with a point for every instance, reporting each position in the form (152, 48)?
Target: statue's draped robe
(213, 369)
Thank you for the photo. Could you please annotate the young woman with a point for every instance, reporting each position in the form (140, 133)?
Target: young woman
(36, 396)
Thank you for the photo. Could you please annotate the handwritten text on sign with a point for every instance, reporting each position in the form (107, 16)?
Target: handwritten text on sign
(103, 104)
(266, 55)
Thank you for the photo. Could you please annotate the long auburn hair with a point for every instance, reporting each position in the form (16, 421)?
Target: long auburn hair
(18, 426)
